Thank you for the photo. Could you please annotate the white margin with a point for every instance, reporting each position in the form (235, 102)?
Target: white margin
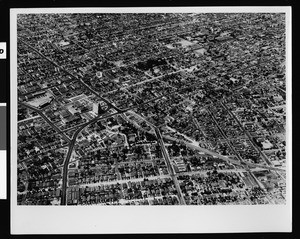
(3, 175)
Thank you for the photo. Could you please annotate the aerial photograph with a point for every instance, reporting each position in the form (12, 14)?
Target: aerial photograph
(151, 109)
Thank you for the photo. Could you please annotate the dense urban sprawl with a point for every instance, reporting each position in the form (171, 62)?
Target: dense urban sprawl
(151, 109)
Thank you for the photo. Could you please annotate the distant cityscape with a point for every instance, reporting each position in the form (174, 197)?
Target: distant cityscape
(151, 109)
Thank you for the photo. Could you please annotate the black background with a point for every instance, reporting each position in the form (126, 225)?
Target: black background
(5, 5)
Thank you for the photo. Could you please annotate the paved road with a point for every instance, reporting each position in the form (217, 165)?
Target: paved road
(164, 153)
(235, 152)
(72, 142)
(224, 135)
(248, 135)
(209, 152)
(47, 120)
(71, 74)
(31, 118)
(123, 181)
(157, 131)
(233, 161)
(170, 167)
(70, 150)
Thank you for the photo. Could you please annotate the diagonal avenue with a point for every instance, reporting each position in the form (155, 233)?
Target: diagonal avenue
(70, 151)
(72, 75)
(169, 165)
(46, 119)
(119, 111)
